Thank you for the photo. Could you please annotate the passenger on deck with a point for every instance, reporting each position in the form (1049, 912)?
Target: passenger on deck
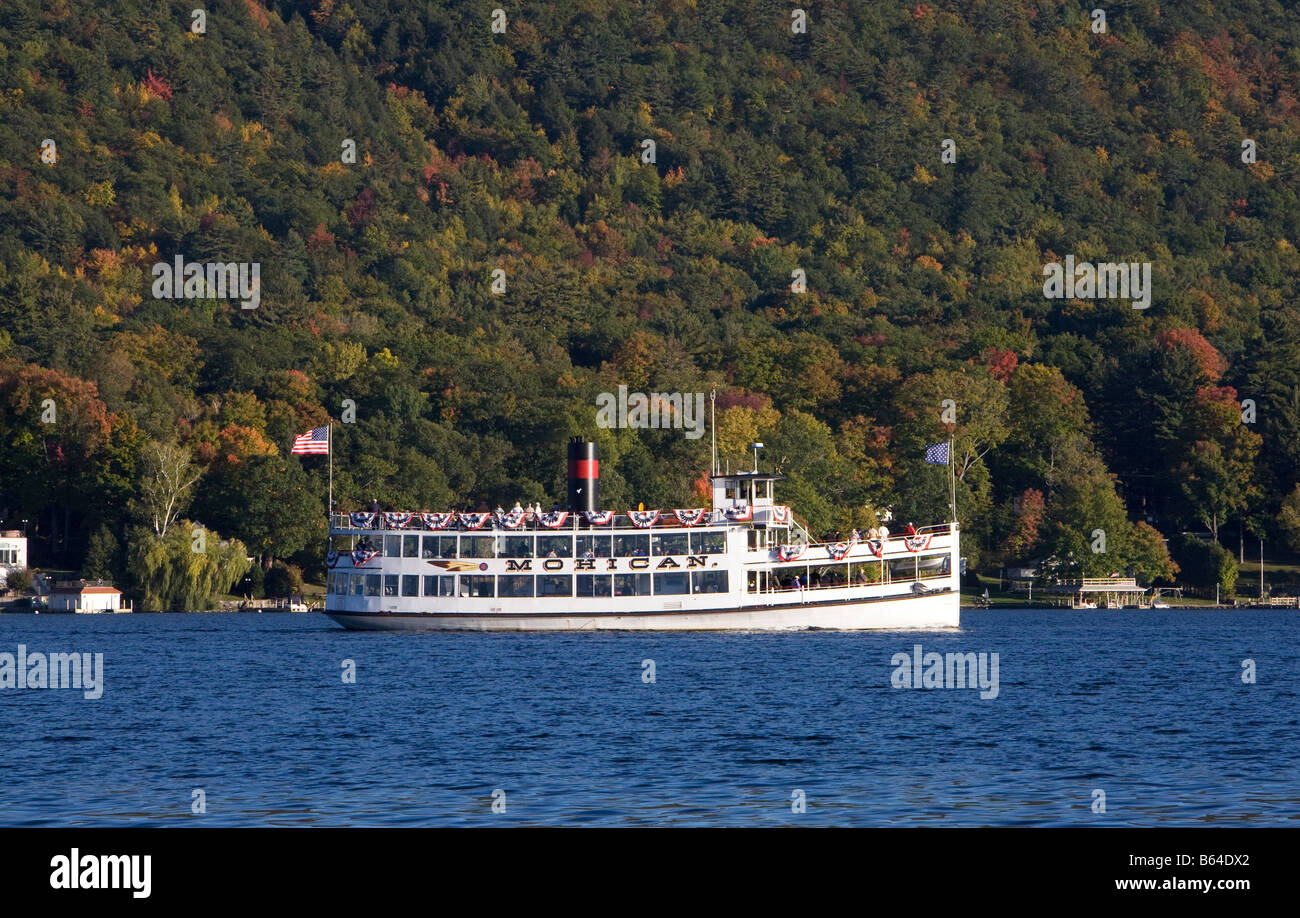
(911, 530)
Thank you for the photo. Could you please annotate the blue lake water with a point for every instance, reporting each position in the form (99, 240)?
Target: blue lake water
(1148, 707)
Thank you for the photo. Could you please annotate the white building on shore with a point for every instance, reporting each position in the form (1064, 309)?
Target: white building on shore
(84, 596)
(13, 553)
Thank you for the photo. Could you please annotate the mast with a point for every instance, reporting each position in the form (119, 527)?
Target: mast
(713, 430)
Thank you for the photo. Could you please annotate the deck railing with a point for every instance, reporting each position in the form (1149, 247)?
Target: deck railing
(1108, 584)
(576, 521)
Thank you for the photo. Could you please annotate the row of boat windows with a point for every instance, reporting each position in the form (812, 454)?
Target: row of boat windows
(510, 586)
(856, 573)
(623, 545)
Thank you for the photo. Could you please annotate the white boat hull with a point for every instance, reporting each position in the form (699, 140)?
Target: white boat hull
(936, 610)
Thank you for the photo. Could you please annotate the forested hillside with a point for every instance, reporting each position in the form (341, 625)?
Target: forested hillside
(775, 152)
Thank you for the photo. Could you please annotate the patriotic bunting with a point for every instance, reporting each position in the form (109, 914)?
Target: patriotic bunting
(473, 520)
(690, 517)
(515, 519)
(437, 520)
(360, 556)
(917, 542)
(643, 519)
(553, 520)
(512, 519)
(792, 552)
(838, 550)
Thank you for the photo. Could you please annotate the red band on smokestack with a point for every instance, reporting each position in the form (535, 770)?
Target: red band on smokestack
(584, 468)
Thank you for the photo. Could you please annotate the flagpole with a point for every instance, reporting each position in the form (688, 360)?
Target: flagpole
(329, 448)
(952, 480)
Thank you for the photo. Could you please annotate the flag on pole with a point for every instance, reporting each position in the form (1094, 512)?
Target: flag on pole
(314, 442)
(937, 454)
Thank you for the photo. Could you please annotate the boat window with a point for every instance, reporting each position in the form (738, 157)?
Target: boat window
(515, 585)
(390, 584)
(477, 585)
(631, 584)
(672, 583)
(439, 585)
(392, 546)
(632, 545)
(410, 546)
(708, 543)
(372, 584)
(447, 547)
(599, 546)
(554, 546)
(430, 547)
(861, 574)
(751, 581)
(410, 585)
(555, 585)
(668, 543)
(515, 546)
(833, 575)
(710, 582)
(594, 585)
(477, 546)
(358, 585)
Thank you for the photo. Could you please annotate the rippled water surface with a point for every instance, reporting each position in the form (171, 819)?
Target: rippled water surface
(1149, 707)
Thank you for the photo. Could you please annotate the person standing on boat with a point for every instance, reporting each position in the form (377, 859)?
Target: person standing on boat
(911, 530)
(377, 511)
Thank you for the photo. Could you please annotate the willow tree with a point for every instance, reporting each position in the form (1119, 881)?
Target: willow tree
(187, 569)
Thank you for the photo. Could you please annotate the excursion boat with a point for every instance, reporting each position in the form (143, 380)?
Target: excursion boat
(745, 563)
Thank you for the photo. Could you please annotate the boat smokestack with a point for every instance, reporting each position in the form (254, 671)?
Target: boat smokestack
(584, 476)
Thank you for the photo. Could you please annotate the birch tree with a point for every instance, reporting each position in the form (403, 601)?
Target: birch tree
(167, 476)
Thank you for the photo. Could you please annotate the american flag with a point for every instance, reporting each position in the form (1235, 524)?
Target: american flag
(937, 454)
(314, 441)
